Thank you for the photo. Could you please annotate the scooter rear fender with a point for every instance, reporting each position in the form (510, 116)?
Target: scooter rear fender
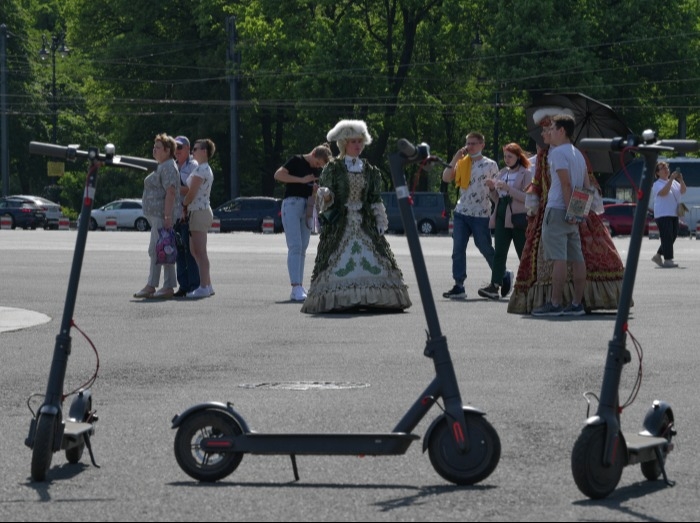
(80, 406)
(468, 411)
(654, 419)
(226, 408)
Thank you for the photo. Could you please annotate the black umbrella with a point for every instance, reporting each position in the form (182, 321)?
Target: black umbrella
(593, 120)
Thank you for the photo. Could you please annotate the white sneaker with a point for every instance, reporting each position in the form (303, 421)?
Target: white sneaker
(211, 290)
(199, 292)
(298, 293)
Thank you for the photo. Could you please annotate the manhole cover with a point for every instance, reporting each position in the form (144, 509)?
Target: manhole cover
(305, 385)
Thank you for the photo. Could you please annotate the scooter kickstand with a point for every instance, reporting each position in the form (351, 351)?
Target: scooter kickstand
(296, 470)
(660, 459)
(89, 447)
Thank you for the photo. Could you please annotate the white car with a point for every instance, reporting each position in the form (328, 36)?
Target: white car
(52, 210)
(128, 213)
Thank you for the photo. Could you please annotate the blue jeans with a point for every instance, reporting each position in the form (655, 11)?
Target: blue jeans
(297, 234)
(464, 228)
(187, 270)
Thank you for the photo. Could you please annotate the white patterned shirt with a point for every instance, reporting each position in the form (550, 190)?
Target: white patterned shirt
(201, 200)
(474, 200)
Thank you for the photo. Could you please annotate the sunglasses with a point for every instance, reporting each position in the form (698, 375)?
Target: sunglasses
(179, 147)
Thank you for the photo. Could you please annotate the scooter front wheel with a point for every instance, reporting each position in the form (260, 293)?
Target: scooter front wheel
(593, 478)
(465, 468)
(42, 449)
(197, 463)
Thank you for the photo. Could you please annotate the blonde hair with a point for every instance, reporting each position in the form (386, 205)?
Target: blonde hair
(168, 143)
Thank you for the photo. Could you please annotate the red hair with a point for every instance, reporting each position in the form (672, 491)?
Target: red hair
(514, 148)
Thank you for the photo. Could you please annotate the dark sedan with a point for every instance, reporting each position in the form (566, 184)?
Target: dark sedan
(246, 213)
(22, 213)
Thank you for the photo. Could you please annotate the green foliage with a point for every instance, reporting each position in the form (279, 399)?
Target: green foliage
(408, 67)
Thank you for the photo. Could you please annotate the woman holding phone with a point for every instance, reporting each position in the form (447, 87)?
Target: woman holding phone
(299, 174)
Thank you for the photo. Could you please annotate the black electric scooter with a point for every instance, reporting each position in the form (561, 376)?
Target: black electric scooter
(49, 432)
(601, 451)
(463, 447)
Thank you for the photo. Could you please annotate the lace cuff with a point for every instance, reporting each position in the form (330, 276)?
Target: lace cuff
(380, 216)
(321, 202)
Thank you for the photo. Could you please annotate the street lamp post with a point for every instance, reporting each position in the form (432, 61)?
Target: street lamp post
(58, 43)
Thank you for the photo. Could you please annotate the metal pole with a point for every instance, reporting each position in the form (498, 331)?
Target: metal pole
(4, 150)
(54, 107)
(232, 58)
(496, 119)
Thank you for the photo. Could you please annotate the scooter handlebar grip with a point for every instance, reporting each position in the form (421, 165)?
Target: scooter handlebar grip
(682, 146)
(48, 149)
(602, 144)
(140, 162)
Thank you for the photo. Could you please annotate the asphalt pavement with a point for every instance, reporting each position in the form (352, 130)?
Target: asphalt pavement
(290, 372)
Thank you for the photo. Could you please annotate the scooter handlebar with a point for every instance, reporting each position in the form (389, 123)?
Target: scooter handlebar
(619, 143)
(412, 153)
(71, 153)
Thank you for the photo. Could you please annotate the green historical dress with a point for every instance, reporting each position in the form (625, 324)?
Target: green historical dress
(354, 268)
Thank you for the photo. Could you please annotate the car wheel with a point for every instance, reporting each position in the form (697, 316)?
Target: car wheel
(142, 224)
(93, 224)
(426, 227)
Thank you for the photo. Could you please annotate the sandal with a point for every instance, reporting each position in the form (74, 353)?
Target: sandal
(162, 294)
(146, 292)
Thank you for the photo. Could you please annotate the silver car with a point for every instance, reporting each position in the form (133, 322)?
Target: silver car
(128, 213)
(52, 210)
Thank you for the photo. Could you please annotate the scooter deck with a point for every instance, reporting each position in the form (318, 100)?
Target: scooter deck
(74, 430)
(372, 444)
(640, 448)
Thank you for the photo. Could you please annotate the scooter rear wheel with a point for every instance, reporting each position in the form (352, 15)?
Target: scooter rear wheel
(652, 469)
(42, 449)
(201, 465)
(592, 476)
(470, 467)
(74, 454)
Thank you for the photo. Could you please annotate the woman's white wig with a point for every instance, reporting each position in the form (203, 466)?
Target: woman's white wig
(544, 112)
(346, 129)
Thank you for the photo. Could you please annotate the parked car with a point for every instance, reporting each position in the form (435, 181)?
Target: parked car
(52, 211)
(127, 211)
(609, 201)
(621, 215)
(246, 213)
(429, 210)
(22, 213)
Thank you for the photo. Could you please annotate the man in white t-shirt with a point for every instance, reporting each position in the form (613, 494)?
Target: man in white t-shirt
(560, 237)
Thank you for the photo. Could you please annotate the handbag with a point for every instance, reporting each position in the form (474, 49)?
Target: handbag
(166, 247)
(682, 210)
(519, 220)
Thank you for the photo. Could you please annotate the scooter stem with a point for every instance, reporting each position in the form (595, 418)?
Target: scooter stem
(618, 355)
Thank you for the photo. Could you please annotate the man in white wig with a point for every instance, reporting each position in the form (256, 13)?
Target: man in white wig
(354, 268)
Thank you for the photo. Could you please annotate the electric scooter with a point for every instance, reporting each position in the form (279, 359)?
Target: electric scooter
(462, 445)
(49, 432)
(601, 451)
